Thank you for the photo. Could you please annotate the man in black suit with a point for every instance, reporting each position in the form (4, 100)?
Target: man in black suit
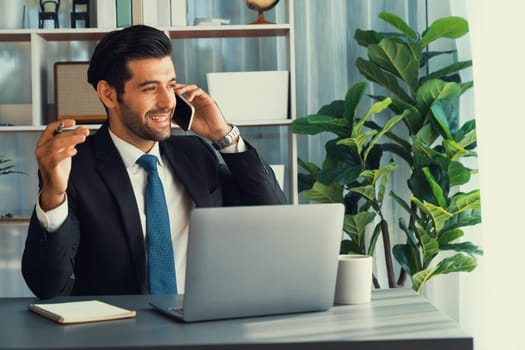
(87, 233)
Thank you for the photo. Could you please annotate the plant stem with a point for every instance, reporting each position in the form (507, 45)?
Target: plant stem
(402, 278)
(388, 254)
(375, 282)
(411, 224)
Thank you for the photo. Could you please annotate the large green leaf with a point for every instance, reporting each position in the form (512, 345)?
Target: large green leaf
(356, 143)
(411, 236)
(455, 150)
(311, 168)
(429, 246)
(421, 188)
(435, 89)
(398, 150)
(372, 175)
(413, 214)
(398, 23)
(336, 153)
(464, 201)
(456, 263)
(447, 236)
(465, 247)
(352, 99)
(335, 108)
(398, 58)
(436, 189)
(466, 86)
(439, 215)
(385, 179)
(349, 246)
(367, 37)
(367, 192)
(376, 108)
(407, 257)
(373, 239)
(305, 182)
(341, 175)
(469, 217)
(355, 226)
(372, 72)
(468, 140)
(315, 124)
(389, 125)
(324, 194)
(458, 174)
(447, 27)
(440, 116)
(450, 69)
(423, 138)
(427, 55)
(413, 118)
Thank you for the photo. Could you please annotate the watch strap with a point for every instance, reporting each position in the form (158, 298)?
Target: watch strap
(228, 139)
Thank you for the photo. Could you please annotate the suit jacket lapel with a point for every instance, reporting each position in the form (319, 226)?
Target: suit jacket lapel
(182, 165)
(112, 169)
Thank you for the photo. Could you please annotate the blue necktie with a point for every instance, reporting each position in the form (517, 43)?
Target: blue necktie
(162, 278)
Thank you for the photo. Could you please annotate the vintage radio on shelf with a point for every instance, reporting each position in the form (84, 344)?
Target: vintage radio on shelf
(75, 98)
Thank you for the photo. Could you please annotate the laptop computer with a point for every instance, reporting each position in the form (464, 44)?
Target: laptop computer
(258, 260)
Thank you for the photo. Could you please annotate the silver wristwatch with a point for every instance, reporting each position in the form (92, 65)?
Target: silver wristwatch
(228, 139)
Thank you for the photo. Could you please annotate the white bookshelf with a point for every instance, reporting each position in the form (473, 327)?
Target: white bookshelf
(41, 45)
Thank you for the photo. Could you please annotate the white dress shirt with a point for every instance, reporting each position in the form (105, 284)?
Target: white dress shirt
(178, 200)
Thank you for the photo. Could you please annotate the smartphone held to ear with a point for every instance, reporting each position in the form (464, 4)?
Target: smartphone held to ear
(183, 114)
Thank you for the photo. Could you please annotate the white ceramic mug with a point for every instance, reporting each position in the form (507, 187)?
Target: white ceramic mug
(354, 279)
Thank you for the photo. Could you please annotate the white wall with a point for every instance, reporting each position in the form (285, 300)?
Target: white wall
(497, 33)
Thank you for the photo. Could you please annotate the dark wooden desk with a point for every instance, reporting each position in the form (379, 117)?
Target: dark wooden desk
(395, 319)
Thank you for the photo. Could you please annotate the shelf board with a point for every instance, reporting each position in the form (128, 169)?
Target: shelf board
(250, 123)
(183, 32)
(15, 35)
(228, 31)
(15, 220)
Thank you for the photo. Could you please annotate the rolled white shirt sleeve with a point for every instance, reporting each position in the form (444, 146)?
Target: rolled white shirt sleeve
(51, 220)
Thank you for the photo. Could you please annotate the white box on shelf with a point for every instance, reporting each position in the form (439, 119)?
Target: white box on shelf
(106, 14)
(250, 96)
(156, 13)
(164, 13)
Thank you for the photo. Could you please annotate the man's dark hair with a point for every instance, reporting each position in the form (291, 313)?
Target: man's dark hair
(110, 58)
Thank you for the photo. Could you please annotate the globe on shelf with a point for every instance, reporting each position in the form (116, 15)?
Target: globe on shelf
(260, 6)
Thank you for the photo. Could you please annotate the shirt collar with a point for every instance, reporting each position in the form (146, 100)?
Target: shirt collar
(130, 153)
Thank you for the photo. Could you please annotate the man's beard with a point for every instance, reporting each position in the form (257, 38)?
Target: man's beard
(138, 126)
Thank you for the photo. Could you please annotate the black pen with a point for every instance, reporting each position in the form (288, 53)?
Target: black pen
(59, 129)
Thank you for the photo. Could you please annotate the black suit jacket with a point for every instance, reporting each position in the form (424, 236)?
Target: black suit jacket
(100, 247)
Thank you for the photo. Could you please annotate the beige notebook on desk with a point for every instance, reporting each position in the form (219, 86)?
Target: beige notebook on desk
(81, 311)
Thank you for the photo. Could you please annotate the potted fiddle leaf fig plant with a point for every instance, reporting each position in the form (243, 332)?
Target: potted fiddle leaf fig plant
(351, 172)
(432, 144)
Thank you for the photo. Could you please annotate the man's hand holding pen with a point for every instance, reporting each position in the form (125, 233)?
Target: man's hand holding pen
(53, 152)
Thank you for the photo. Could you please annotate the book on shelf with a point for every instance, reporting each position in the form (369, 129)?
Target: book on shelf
(81, 311)
(124, 13)
(106, 14)
(158, 13)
